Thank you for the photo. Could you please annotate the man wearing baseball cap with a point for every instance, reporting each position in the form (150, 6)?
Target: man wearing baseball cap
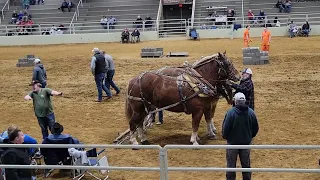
(43, 106)
(246, 87)
(98, 69)
(240, 125)
(39, 73)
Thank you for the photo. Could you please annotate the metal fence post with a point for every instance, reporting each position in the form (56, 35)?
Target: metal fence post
(165, 159)
(161, 158)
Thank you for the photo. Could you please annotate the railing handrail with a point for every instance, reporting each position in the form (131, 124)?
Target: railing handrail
(193, 11)
(6, 4)
(159, 14)
(75, 16)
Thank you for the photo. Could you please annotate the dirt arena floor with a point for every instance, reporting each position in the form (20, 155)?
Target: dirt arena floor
(287, 103)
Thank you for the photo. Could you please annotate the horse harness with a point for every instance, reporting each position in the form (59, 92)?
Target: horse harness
(203, 86)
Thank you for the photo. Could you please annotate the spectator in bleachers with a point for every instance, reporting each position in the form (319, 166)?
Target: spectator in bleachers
(276, 22)
(262, 15)
(138, 22)
(104, 21)
(14, 17)
(112, 21)
(53, 30)
(65, 5)
(26, 4)
(42, 2)
(230, 16)
(125, 36)
(306, 29)
(251, 17)
(20, 15)
(135, 35)
(148, 22)
(287, 6)
(293, 29)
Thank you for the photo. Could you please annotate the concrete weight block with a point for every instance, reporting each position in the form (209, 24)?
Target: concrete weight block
(18, 65)
(22, 60)
(159, 49)
(264, 53)
(30, 56)
(245, 50)
(254, 49)
(264, 58)
(247, 61)
(249, 55)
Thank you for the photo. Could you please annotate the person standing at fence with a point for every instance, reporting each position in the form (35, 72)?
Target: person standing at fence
(240, 125)
(43, 106)
(98, 69)
(39, 73)
(246, 37)
(265, 40)
(110, 73)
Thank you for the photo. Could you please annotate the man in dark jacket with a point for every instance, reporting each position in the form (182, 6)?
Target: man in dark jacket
(240, 125)
(16, 156)
(39, 73)
(246, 87)
(98, 69)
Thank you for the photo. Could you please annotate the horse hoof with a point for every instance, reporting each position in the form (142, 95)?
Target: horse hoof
(146, 142)
(212, 137)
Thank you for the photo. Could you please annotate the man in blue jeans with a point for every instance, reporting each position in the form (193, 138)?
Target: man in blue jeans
(43, 106)
(110, 73)
(98, 69)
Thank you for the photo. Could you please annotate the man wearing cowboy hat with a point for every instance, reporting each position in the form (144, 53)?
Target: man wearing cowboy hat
(57, 130)
(246, 87)
(43, 106)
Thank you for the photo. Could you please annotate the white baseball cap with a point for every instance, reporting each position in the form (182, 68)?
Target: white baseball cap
(36, 61)
(95, 49)
(247, 70)
(239, 96)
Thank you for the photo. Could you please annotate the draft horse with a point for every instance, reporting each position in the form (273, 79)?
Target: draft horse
(150, 90)
(224, 90)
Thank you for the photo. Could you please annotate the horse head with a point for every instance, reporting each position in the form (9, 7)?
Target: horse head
(230, 72)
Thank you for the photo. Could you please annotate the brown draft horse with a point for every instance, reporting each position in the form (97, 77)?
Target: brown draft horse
(226, 90)
(151, 90)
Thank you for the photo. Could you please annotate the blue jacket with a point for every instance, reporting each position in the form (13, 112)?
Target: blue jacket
(57, 137)
(240, 125)
(27, 140)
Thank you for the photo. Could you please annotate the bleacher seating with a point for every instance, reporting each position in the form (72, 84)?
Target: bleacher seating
(122, 10)
(298, 11)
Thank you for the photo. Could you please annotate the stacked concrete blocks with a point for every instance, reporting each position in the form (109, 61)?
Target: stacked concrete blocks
(147, 52)
(26, 62)
(253, 56)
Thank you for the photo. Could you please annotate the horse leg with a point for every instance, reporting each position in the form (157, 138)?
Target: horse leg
(142, 136)
(196, 117)
(207, 116)
(213, 110)
(133, 128)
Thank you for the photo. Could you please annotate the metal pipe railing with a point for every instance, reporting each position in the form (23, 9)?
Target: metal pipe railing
(2, 10)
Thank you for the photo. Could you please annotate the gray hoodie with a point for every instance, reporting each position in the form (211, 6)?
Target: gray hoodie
(39, 73)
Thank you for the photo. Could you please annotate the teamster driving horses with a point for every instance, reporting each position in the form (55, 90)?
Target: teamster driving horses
(246, 87)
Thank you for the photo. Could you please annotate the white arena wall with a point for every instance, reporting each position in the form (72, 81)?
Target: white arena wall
(145, 36)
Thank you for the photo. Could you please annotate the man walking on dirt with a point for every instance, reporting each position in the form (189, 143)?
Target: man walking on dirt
(240, 125)
(43, 106)
(98, 69)
(39, 73)
(110, 73)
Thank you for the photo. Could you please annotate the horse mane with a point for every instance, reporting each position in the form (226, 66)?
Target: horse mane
(204, 60)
